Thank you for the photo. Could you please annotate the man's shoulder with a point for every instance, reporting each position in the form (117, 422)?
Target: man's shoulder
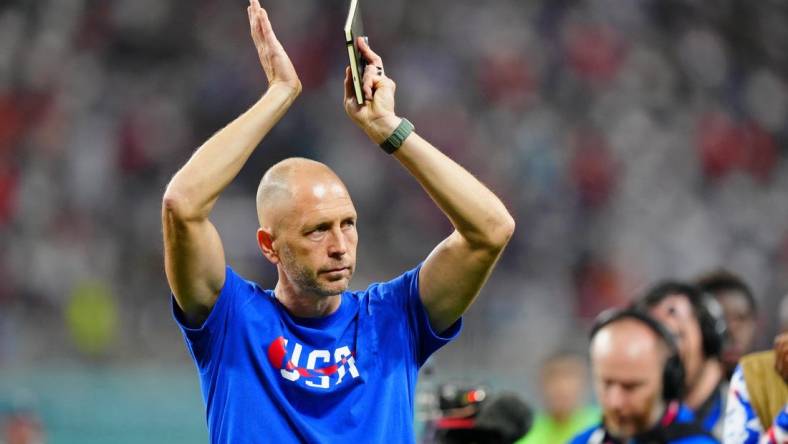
(246, 291)
(236, 279)
(404, 282)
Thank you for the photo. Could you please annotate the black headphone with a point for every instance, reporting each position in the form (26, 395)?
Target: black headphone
(707, 310)
(673, 373)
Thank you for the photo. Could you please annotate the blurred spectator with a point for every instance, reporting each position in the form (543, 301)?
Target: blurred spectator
(739, 309)
(697, 324)
(91, 317)
(757, 409)
(726, 146)
(638, 378)
(564, 383)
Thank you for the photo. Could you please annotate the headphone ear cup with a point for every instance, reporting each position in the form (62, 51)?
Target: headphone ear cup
(712, 325)
(673, 379)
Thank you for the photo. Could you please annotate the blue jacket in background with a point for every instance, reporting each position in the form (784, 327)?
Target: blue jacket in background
(682, 430)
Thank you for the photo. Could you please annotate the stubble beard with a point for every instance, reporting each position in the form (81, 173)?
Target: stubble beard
(306, 279)
(633, 425)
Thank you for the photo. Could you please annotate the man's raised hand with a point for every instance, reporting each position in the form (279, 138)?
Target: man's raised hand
(376, 116)
(277, 65)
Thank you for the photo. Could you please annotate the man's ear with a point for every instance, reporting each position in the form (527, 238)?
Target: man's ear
(265, 241)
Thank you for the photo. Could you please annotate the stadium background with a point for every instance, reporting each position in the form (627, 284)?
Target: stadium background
(632, 140)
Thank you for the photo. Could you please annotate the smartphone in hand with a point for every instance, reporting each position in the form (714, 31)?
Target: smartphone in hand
(354, 29)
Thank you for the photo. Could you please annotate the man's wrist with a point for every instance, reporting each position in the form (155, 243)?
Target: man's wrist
(288, 90)
(382, 128)
(397, 138)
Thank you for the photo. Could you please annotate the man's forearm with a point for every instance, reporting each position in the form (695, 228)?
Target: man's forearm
(197, 185)
(477, 214)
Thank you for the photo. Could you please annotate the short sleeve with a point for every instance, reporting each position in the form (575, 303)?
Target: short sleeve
(426, 340)
(204, 340)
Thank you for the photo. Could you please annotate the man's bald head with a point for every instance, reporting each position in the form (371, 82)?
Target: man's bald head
(628, 338)
(292, 180)
(628, 358)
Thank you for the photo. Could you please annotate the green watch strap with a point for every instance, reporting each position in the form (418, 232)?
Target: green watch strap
(399, 135)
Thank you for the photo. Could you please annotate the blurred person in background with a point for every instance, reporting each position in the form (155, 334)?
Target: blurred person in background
(564, 382)
(739, 309)
(757, 406)
(697, 323)
(638, 379)
(309, 361)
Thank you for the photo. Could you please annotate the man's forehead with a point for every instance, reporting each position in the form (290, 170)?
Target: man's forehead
(315, 195)
(625, 364)
(624, 340)
(317, 204)
(734, 300)
(324, 190)
(343, 206)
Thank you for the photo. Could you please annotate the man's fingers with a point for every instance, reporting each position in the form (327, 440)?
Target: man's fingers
(369, 80)
(254, 29)
(370, 55)
(373, 70)
(366, 87)
(266, 29)
(260, 16)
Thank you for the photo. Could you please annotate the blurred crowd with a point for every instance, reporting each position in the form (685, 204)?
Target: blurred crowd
(631, 140)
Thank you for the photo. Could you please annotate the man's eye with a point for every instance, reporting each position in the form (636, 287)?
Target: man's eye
(317, 233)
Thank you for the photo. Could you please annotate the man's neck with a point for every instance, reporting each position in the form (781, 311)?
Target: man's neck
(707, 382)
(304, 304)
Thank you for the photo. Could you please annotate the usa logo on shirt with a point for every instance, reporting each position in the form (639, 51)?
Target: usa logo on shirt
(321, 365)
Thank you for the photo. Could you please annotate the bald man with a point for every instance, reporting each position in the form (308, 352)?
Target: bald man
(309, 361)
(639, 398)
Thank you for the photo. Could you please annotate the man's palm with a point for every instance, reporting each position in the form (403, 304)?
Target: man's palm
(276, 64)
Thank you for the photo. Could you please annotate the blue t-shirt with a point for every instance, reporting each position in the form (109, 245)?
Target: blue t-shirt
(269, 377)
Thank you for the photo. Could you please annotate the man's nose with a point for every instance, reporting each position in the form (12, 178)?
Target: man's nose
(338, 244)
(614, 398)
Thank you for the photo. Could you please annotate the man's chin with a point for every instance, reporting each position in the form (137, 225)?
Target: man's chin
(335, 287)
(621, 431)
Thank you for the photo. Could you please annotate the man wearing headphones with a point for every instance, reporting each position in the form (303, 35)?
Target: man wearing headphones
(697, 323)
(740, 311)
(638, 379)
